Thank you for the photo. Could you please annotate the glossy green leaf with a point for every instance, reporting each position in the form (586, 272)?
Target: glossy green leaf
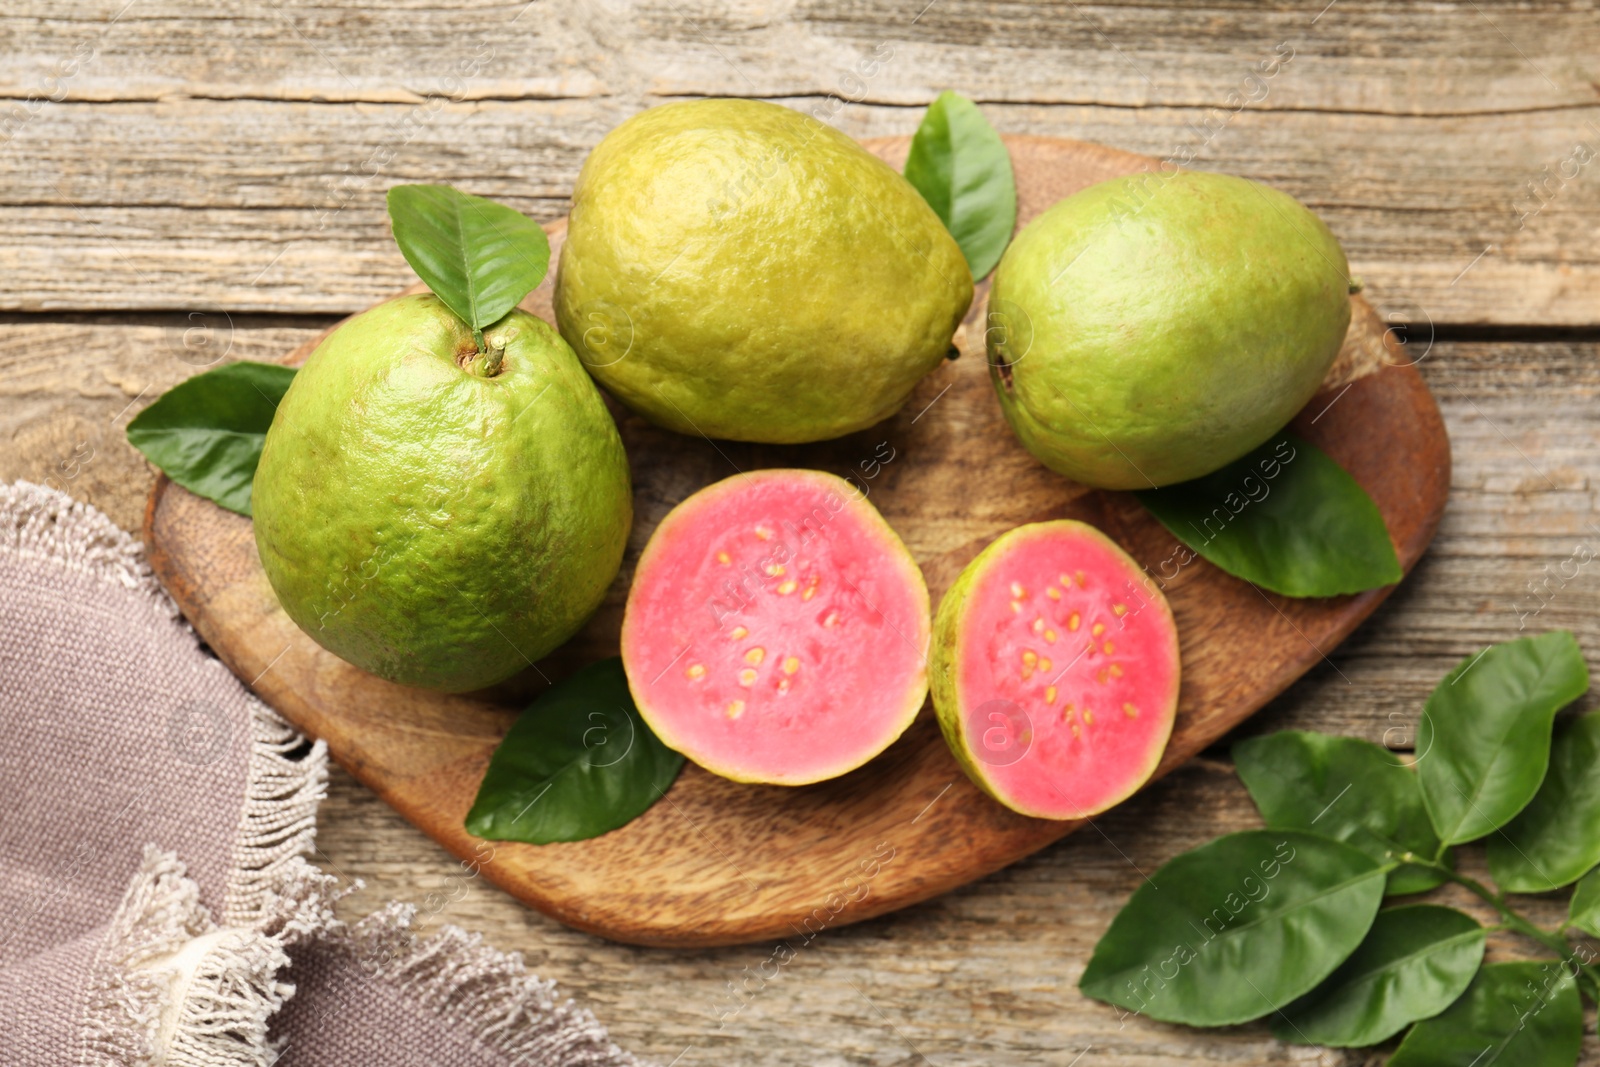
(1583, 910)
(1236, 929)
(1512, 1015)
(206, 433)
(1484, 739)
(1414, 963)
(579, 762)
(1344, 788)
(1285, 517)
(961, 168)
(478, 256)
(1556, 838)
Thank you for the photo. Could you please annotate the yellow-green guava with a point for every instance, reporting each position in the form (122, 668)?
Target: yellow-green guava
(437, 515)
(1153, 328)
(736, 269)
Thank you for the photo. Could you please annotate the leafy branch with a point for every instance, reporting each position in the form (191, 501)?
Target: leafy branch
(1515, 922)
(1250, 913)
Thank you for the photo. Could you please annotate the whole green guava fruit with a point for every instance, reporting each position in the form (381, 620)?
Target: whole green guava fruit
(736, 269)
(1153, 328)
(437, 515)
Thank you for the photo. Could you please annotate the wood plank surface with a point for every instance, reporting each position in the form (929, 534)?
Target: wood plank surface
(959, 479)
(985, 974)
(253, 150)
(210, 160)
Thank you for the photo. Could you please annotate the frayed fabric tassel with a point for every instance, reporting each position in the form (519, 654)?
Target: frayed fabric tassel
(44, 523)
(145, 974)
(478, 990)
(287, 781)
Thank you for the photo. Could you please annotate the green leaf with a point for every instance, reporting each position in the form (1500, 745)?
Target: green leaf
(1344, 788)
(1512, 1015)
(1415, 961)
(206, 433)
(1484, 740)
(478, 256)
(1285, 517)
(579, 762)
(1583, 911)
(961, 168)
(1236, 929)
(1556, 838)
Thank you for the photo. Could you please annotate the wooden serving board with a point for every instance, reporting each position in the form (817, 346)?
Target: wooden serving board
(720, 863)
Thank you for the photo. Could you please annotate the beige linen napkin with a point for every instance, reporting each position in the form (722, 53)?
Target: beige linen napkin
(155, 903)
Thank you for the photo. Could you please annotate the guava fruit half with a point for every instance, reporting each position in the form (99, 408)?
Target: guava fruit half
(437, 515)
(1153, 328)
(777, 629)
(1055, 671)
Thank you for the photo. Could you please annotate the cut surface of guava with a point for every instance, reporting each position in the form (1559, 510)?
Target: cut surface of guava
(777, 629)
(1055, 671)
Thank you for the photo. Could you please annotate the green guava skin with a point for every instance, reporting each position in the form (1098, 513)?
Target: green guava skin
(736, 269)
(942, 687)
(432, 525)
(1157, 327)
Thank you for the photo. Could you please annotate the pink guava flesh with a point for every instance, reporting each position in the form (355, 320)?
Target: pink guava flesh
(1060, 668)
(777, 629)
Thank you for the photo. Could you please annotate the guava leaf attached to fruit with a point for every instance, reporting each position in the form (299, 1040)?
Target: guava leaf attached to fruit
(578, 763)
(206, 433)
(1284, 517)
(479, 257)
(962, 169)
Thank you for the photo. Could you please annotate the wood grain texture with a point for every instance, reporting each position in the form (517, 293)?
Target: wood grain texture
(201, 144)
(1516, 413)
(240, 162)
(984, 974)
(716, 862)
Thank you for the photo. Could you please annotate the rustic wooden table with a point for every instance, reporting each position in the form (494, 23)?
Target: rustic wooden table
(183, 183)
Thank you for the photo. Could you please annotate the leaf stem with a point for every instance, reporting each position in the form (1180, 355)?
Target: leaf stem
(1514, 922)
(497, 355)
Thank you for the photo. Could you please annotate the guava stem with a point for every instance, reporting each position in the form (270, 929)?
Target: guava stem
(496, 357)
